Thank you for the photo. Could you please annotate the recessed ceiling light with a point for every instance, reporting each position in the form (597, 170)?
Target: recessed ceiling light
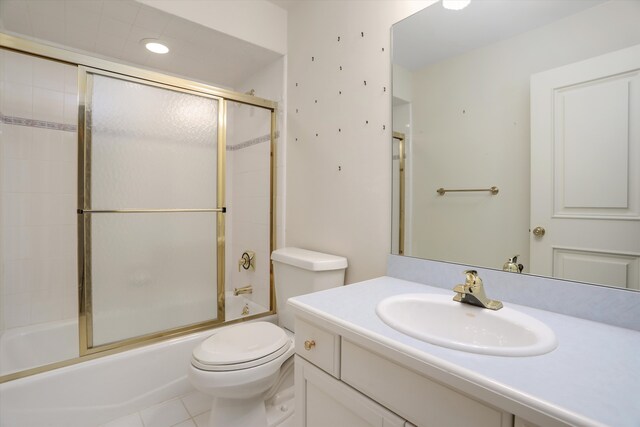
(455, 4)
(155, 46)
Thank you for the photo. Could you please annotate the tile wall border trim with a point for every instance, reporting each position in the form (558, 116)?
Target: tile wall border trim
(251, 142)
(42, 124)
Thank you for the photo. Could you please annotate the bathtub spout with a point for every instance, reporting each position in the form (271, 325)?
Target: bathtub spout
(243, 290)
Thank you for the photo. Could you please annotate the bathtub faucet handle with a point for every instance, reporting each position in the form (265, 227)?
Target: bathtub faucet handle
(247, 260)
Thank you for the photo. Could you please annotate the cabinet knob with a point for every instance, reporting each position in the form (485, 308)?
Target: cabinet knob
(309, 344)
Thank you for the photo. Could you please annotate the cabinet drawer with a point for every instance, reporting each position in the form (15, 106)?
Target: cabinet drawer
(318, 346)
(416, 398)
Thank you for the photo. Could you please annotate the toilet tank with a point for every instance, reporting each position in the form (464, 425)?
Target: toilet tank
(299, 271)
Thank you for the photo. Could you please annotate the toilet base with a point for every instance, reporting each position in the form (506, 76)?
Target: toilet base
(238, 412)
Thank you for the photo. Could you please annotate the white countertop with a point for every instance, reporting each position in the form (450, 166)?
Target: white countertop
(592, 378)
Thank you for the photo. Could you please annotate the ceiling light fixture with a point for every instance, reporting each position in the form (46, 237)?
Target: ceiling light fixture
(455, 4)
(155, 46)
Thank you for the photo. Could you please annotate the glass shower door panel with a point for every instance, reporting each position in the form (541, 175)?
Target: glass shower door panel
(249, 201)
(151, 272)
(151, 147)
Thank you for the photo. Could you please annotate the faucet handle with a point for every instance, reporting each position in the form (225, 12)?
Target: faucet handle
(247, 260)
(472, 278)
(512, 265)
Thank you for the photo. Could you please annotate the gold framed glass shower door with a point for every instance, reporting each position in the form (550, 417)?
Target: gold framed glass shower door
(85, 64)
(151, 209)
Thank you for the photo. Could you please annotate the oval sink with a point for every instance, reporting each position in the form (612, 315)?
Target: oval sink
(437, 319)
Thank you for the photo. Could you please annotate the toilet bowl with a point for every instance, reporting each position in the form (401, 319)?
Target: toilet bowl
(241, 365)
(237, 366)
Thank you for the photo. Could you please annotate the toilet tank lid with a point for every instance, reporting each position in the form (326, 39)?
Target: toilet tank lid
(309, 260)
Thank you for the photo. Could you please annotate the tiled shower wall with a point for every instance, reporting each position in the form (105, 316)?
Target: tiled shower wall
(38, 140)
(248, 215)
(248, 180)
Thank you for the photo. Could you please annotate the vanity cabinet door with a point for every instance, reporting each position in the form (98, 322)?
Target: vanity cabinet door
(424, 402)
(323, 401)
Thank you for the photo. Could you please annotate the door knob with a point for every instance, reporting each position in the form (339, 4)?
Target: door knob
(539, 231)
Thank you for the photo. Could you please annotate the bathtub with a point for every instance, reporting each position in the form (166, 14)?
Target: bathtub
(94, 392)
(36, 345)
(22, 348)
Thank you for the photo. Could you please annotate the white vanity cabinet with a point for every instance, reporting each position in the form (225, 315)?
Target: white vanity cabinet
(434, 386)
(341, 384)
(323, 401)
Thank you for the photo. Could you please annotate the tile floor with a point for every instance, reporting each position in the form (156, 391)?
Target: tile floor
(191, 410)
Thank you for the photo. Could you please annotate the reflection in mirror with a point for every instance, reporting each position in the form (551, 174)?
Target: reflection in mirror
(540, 99)
(398, 193)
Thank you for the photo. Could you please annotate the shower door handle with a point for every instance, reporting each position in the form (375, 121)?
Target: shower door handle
(94, 211)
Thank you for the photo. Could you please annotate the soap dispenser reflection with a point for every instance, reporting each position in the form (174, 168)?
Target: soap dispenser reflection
(512, 265)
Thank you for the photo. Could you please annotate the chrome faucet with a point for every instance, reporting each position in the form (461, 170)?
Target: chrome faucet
(243, 290)
(472, 292)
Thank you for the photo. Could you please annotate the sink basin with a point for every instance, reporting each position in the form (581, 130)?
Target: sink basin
(437, 319)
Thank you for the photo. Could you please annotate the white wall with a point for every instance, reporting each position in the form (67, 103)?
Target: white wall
(338, 165)
(402, 80)
(471, 130)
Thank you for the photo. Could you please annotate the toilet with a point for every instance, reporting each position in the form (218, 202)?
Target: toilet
(240, 365)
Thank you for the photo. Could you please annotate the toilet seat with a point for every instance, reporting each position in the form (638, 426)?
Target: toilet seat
(241, 346)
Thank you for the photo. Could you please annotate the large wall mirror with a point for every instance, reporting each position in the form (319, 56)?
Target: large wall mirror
(532, 107)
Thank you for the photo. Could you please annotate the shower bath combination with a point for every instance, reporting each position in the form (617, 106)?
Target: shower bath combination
(156, 201)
